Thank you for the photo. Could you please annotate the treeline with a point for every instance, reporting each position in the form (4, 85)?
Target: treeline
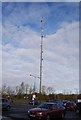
(25, 91)
(24, 88)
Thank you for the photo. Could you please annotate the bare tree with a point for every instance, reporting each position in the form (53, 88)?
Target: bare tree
(43, 89)
(4, 89)
(22, 88)
(50, 90)
(30, 90)
(27, 87)
(17, 89)
(9, 90)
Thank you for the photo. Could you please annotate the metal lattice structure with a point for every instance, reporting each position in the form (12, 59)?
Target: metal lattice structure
(41, 54)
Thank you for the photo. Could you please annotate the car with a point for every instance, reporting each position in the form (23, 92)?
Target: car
(70, 105)
(47, 111)
(78, 107)
(5, 104)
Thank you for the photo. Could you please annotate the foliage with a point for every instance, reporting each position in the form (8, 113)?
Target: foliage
(25, 92)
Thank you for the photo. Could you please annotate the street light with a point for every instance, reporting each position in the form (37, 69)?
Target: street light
(35, 77)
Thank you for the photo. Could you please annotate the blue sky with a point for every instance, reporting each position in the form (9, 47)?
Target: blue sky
(40, 0)
(59, 13)
(21, 43)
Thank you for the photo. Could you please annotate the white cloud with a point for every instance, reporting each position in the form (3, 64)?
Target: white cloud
(0, 66)
(65, 41)
(0, 44)
(31, 14)
(61, 56)
(62, 50)
(40, 0)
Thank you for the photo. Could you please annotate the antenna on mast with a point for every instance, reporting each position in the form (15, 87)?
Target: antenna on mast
(41, 54)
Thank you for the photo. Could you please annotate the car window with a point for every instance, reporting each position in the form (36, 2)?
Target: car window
(60, 106)
(46, 106)
(4, 100)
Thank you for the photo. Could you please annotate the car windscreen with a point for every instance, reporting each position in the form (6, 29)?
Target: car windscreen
(46, 106)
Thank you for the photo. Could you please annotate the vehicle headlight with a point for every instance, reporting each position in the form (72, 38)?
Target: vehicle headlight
(39, 113)
(28, 111)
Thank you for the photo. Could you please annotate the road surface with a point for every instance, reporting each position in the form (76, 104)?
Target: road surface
(18, 112)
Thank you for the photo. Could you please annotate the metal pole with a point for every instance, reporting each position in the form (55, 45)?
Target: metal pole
(41, 54)
(35, 78)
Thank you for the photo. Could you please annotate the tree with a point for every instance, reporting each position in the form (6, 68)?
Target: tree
(27, 87)
(9, 90)
(4, 89)
(50, 90)
(30, 90)
(17, 89)
(43, 89)
(22, 88)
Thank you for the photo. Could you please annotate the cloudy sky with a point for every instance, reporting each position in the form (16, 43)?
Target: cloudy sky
(40, 0)
(21, 30)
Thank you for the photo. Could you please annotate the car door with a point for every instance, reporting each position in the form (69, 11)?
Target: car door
(54, 111)
(61, 110)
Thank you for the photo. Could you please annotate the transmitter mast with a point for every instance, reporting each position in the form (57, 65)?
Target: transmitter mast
(41, 54)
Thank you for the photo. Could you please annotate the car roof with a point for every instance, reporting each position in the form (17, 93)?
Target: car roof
(49, 103)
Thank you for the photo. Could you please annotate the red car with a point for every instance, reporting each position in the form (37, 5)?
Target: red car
(47, 111)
